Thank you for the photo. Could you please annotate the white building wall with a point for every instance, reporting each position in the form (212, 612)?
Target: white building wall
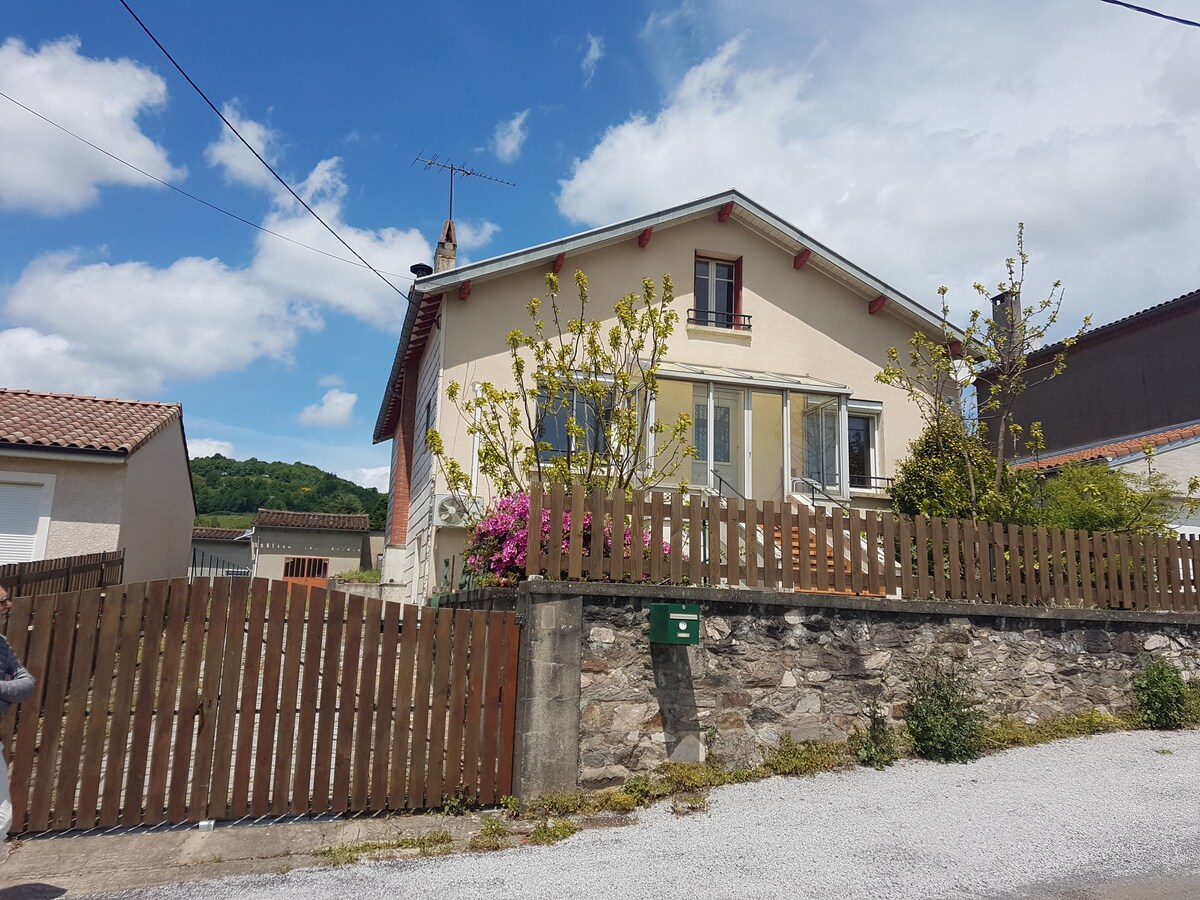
(158, 509)
(85, 513)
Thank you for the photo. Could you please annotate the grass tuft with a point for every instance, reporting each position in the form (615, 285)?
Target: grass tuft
(548, 832)
(429, 844)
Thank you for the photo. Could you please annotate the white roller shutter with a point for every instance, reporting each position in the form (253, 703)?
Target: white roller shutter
(20, 505)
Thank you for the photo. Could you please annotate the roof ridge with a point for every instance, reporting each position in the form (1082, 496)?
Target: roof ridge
(57, 395)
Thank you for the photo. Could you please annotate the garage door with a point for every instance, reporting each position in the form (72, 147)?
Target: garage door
(19, 508)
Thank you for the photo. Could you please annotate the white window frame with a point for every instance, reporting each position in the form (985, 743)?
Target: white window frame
(46, 482)
(709, 302)
(869, 410)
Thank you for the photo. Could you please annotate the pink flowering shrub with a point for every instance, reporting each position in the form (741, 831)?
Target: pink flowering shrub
(495, 552)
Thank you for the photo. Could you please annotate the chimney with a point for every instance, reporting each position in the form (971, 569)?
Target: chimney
(446, 248)
(1006, 313)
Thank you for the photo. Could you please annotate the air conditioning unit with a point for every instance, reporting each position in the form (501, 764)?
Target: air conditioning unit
(451, 511)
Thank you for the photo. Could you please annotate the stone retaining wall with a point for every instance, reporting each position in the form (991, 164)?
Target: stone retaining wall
(805, 666)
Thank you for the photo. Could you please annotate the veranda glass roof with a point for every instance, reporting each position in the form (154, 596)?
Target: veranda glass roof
(749, 377)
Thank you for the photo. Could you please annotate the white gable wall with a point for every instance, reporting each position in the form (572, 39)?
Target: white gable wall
(158, 509)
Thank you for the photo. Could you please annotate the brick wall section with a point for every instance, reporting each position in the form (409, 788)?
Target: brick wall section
(766, 669)
(404, 448)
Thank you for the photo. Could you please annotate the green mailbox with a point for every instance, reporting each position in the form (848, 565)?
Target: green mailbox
(674, 623)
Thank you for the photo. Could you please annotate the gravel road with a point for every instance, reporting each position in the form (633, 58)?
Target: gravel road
(1061, 820)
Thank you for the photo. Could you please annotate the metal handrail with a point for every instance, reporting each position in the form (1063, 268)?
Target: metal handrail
(870, 482)
(815, 487)
(715, 318)
(717, 475)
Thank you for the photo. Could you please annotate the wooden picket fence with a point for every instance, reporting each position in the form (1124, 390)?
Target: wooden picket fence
(166, 702)
(670, 538)
(63, 573)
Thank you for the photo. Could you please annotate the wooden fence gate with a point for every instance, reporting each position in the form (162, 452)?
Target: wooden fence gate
(170, 702)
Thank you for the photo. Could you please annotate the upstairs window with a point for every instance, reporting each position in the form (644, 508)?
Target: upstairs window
(718, 300)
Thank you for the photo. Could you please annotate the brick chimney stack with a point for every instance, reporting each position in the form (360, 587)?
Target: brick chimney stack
(446, 249)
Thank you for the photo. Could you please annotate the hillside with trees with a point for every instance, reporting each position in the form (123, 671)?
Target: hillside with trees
(224, 486)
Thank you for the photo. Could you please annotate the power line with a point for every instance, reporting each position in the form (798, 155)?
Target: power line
(257, 155)
(180, 190)
(1153, 12)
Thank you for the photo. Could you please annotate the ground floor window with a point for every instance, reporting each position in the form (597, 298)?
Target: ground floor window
(861, 435)
(760, 442)
(306, 567)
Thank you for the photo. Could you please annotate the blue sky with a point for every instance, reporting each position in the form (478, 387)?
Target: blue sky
(909, 137)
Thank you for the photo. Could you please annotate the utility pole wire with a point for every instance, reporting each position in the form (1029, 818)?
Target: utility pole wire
(1152, 12)
(179, 190)
(257, 155)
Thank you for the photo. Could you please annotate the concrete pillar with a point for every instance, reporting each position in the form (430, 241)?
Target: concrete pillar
(546, 755)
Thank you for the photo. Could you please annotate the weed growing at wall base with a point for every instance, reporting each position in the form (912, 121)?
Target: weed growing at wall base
(1161, 698)
(944, 720)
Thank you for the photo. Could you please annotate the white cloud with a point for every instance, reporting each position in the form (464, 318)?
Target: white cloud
(370, 477)
(474, 234)
(43, 170)
(335, 409)
(239, 164)
(89, 326)
(127, 327)
(592, 56)
(509, 137)
(201, 447)
(331, 381)
(902, 149)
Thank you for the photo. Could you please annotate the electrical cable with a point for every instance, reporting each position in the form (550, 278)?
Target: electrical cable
(257, 155)
(180, 190)
(1152, 12)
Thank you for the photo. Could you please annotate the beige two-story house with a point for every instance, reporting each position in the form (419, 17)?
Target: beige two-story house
(774, 359)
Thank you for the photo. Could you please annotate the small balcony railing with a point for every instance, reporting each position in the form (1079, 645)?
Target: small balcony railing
(714, 318)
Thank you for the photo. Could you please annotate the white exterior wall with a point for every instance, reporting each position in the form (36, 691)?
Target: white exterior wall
(343, 549)
(86, 509)
(804, 322)
(413, 564)
(158, 509)
(1178, 463)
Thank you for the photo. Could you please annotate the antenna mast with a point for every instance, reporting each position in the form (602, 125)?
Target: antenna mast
(434, 163)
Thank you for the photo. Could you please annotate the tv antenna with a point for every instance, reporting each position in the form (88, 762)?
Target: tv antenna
(433, 162)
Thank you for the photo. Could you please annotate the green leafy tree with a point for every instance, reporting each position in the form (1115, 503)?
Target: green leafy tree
(583, 385)
(935, 370)
(1095, 498)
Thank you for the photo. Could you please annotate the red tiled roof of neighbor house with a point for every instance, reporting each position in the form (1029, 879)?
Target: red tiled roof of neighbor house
(278, 518)
(1114, 449)
(208, 533)
(72, 422)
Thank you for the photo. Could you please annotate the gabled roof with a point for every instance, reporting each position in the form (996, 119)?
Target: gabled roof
(71, 422)
(209, 533)
(740, 208)
(279, 518)
(1118, 449)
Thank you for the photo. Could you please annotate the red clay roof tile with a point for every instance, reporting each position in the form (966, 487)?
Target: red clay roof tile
(278, 518)
(71, 422)
(1114, 449)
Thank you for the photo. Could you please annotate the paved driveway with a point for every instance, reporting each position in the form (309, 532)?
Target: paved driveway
(1107, 818)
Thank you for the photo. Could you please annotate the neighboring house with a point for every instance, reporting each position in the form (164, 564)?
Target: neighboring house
(220, 551)
(309, 547)
(775, 359)
(1128, 385)
(1139, 375)
(86, 475)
